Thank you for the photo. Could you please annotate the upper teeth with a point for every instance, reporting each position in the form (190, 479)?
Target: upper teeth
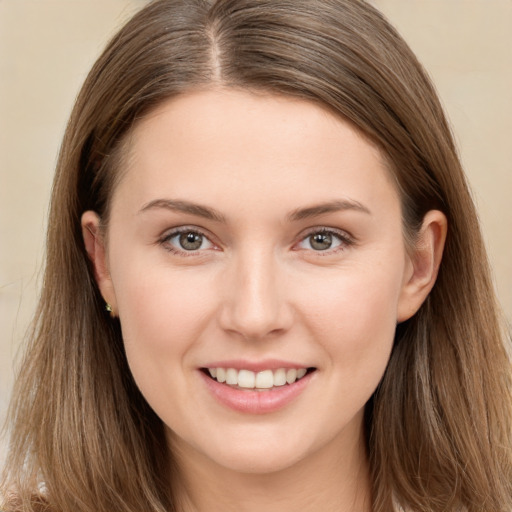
(259, 380)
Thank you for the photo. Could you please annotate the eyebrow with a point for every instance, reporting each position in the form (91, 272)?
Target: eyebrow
(184, 207)
(329, 207)
(296, 215)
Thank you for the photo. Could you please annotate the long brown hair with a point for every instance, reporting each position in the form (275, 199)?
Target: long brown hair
(439, 424)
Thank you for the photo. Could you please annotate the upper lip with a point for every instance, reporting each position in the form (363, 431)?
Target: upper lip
(256, 366)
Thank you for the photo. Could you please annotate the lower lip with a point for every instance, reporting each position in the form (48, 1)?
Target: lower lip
(256, 402)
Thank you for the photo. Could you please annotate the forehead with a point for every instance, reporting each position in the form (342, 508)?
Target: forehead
(214, 144)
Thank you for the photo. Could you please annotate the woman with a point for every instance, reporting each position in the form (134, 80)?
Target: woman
(244, 304)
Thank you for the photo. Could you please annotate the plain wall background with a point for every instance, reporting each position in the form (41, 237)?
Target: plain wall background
(48, 46)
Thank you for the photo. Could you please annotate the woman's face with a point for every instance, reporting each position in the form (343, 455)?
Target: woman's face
(259, 239)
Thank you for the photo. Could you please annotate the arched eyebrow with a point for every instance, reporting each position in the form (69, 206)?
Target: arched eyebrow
(296, 215)
(329, 207)
(184, 207)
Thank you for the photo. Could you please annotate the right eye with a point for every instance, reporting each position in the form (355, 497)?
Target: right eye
(186, 241)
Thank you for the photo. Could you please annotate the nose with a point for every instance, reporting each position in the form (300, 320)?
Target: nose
(255, 304)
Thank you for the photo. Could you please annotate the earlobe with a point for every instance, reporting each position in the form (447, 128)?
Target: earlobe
(424, 262)
(95, 246)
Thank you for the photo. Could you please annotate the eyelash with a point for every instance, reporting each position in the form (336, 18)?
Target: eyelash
(165, 240)
(344, 239)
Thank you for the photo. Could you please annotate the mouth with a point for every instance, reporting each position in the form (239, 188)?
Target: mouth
(265, 380)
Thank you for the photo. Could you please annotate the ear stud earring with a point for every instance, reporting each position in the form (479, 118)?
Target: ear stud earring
(108, 307)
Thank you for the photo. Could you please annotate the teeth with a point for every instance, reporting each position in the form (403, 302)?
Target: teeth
(301, 372)
(265, 379)
(245, 378)
(221, 374)
(280, 377)
(291, 375)
(231, 376)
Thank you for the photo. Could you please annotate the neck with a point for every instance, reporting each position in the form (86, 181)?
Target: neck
(336, 478)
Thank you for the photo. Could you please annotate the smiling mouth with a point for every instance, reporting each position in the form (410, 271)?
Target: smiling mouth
(265, 380)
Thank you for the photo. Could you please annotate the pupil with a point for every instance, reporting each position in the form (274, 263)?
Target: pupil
(321, 241)
(191, 241)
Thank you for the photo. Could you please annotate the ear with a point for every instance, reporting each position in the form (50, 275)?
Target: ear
(95, 246)
(423, 264)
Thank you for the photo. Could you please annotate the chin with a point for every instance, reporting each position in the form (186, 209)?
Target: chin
(259, 462)
(269, 450)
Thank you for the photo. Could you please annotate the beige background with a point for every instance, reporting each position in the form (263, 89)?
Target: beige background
(47, 47)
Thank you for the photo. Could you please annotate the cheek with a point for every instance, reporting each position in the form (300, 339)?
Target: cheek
(354, 319)
(162, 321)
(153, 296)
(162, 313)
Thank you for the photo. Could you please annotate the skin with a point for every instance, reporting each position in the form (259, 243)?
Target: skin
(258, 289)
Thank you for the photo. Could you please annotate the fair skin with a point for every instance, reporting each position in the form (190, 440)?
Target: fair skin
(289, 255)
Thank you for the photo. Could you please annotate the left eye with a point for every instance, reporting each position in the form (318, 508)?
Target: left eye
(189, 241)
(322, 241)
